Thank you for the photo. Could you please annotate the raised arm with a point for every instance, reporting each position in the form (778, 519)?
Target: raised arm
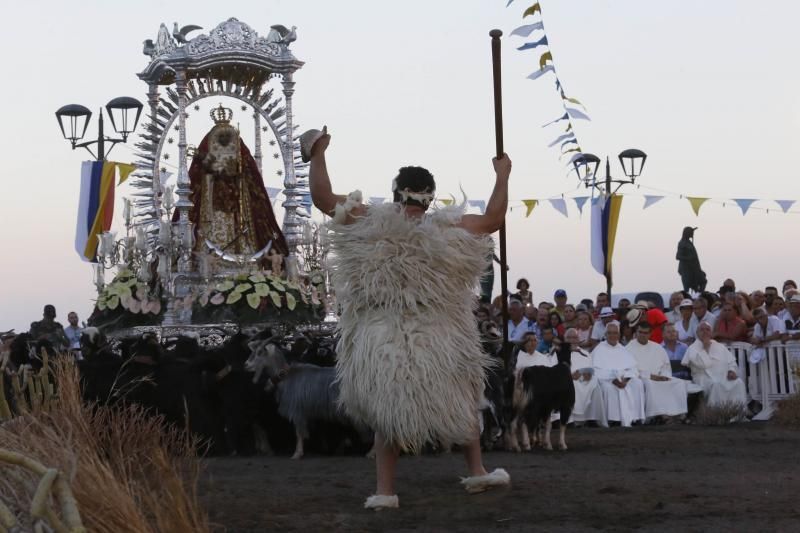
(318, 180)
(495, 214)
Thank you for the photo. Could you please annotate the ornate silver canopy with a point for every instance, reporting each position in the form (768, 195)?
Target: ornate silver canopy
(233, 61)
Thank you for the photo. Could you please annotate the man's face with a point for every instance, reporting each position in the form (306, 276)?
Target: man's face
(704, 332)
(794, 309)
(699, 308)
(643, 335)
(771, 292)
(757, 298)
(612, 335)
(547, 336)
(530, 343)
(73, 319)
(543, 319)
(531, 312)
(624, 304)
(583, 321)
(515, 311)
(670, 333)
(571, 337)
(778, 305)
(675, 300)
(602, 301)
(761, 317)
(607, 319)
(561, 301)
(482, 315)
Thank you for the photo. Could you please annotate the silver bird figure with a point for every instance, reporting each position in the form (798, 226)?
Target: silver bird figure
(180, 34)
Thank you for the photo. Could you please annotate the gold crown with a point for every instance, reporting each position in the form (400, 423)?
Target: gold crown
(221, 115)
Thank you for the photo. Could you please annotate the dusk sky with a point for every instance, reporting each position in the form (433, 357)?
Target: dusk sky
(707, 89)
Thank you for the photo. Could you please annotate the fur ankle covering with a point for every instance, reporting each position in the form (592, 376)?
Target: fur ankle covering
(377, 502)
(476, 484)
(410, 363)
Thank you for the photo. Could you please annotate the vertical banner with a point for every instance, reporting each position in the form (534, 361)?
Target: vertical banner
(603, 227)
(96, 203)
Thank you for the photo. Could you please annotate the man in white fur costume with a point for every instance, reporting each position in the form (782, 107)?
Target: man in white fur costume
(410, 363)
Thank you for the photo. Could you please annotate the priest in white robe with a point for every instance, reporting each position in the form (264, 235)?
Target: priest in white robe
(714, 368)
(616, 370)
(589, 402)
(664, 395)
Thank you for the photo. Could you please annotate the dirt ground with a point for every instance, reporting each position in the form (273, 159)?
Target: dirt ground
(664, 478)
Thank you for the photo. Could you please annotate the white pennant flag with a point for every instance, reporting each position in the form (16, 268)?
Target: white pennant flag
(537, 74)
(785, 204)
(744, 203)
(480, 204)
(526, 30)
(650, 199)
(560, 138)
(560, 205)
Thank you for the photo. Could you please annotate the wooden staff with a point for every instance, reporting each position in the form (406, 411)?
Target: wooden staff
(498, 135)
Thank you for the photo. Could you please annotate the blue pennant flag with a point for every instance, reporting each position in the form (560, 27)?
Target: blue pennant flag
(744, 203)
(376, 200)
(565, 116)
(785, 204)
(524, 31)
(580, 201)
(528, 46)
(509, 3)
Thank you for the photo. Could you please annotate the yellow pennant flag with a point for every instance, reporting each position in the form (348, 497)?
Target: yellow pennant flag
(533, 9)
(529, 204)
(446, 201)
(543, 60)
(124, 171)
(696, 203)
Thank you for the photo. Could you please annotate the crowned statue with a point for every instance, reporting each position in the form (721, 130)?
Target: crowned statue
(232, 212)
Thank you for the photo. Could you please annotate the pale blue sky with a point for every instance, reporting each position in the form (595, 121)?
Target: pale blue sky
(708, 89)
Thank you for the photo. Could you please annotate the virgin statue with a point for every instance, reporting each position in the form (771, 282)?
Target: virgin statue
(232, 210)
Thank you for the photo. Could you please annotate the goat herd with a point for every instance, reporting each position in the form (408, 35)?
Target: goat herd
(278, 394)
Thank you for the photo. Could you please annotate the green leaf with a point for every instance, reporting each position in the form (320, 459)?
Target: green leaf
(124, 291)
(276, 298)
(233, 297)
(253, 300)
(113, 302)
(291, 303)
(225, 286)
(101, 304)
(278, 287)
(130, 283)
(243, 287)
(262, 289)
(257, 278)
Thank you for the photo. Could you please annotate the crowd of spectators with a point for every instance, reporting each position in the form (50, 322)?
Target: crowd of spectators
(644, 345)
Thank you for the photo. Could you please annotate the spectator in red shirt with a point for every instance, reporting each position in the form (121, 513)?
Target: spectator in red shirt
(730, 327)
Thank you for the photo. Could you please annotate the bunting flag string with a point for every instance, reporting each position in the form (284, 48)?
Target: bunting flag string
(547, 65)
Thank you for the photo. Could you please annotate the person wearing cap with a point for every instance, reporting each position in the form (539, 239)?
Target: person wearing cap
(685, 326)
(409, 363)
(47, 329)
(560, 296)
(692, 276)
(714, 368)
(792, 322)
(618, 374)
(599, 327)
(664, 395)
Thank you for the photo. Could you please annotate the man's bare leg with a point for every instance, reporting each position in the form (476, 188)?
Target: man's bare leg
(386, 466)
(472, 453)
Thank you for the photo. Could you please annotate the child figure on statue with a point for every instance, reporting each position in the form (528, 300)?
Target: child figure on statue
(410, 363)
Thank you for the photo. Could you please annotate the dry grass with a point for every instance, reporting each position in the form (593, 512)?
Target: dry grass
(719, 415)
(127, 470)
(788, 412)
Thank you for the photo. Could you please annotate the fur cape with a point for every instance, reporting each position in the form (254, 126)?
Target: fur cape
(410, 363)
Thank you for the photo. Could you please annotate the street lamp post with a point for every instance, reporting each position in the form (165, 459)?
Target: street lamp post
(632, 161)
(120, 111)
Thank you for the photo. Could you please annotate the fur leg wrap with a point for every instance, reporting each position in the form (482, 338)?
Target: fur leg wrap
(475, 484)
(377, 502)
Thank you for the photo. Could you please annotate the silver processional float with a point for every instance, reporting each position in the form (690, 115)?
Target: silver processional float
(207, 254)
